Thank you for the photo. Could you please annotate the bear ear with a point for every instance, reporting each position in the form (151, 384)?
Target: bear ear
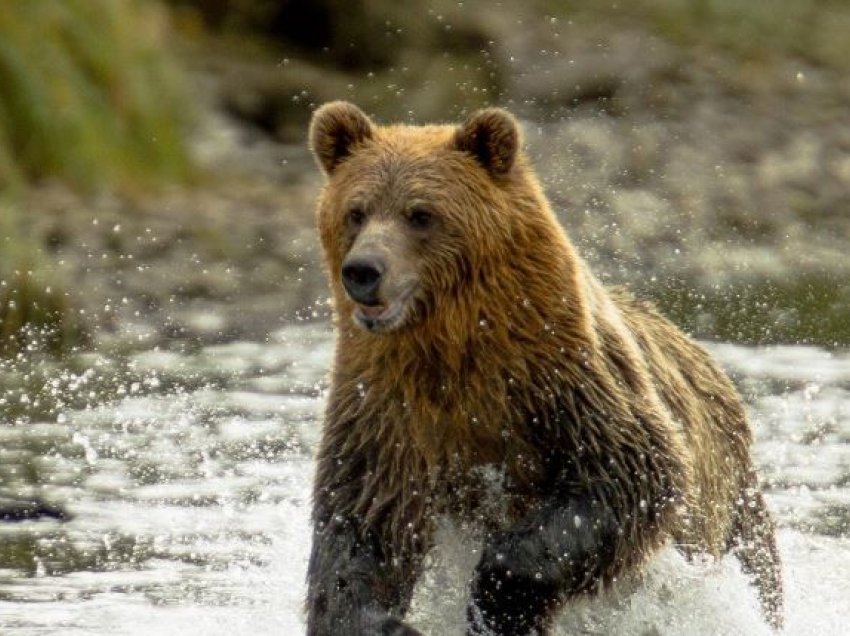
(335, 129)
(492, 137)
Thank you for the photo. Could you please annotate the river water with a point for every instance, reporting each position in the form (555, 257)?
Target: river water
(187, 471)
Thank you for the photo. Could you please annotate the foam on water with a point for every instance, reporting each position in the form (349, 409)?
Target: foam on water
(673, 597)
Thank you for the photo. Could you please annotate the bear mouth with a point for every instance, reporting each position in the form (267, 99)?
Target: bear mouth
(384, 316)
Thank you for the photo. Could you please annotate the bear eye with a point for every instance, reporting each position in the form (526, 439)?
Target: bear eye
(356, 216)
(420, 218)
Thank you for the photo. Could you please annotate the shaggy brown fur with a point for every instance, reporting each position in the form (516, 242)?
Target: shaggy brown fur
(486, 344)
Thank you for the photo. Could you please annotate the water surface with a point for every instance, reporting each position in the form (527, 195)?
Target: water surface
(187, 474)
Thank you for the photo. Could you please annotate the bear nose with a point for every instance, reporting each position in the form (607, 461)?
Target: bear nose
(362, 278)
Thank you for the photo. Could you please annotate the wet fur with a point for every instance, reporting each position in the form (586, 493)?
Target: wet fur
(612, 431)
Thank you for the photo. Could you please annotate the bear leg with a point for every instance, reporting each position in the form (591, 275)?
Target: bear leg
(755, 547)
(559, 550)
(353, 588)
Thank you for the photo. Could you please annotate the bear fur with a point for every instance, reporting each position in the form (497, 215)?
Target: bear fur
(474, 347)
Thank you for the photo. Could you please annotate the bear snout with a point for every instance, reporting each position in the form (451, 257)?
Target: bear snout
(361, 278)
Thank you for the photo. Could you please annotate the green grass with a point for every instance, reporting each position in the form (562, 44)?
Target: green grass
(815, 30)
(34, 310)
(88, 94)
(809, 309)
(752, 30)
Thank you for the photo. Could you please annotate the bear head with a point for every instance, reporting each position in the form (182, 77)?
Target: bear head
(410, 216)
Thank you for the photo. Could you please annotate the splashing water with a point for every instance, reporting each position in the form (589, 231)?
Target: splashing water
(187, 477)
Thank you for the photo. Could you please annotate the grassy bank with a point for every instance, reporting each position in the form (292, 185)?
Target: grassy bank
(88, 96)
(805, 310)
(757, 30)
(35, 310)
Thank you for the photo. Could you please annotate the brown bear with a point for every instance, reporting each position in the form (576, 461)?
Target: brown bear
(474, 349)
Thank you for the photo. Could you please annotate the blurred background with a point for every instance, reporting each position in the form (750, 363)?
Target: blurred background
(164, 342)
(153, 167)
